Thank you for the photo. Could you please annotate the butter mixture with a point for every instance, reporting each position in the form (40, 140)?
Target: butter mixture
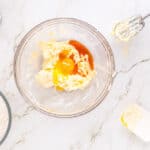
(67, 65)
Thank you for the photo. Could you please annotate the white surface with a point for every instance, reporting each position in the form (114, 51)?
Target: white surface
(99, 129)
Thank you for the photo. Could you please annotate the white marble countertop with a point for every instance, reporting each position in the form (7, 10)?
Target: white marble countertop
(101, 128)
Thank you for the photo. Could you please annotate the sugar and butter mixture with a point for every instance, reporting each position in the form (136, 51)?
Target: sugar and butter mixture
(67, 65)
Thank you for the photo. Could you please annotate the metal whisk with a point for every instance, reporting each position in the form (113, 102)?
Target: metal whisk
(127, 29)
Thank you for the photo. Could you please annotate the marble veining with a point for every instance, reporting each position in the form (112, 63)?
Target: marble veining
(100, 128)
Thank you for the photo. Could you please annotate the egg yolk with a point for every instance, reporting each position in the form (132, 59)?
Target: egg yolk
(67, 66)
(62, 69)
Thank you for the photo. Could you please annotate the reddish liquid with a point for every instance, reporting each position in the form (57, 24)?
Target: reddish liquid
(83, 51)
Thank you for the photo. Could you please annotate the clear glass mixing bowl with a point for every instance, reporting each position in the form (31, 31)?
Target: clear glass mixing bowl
(27, 63)
(5, 108)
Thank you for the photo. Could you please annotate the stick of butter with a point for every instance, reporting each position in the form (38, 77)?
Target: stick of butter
(137, 120)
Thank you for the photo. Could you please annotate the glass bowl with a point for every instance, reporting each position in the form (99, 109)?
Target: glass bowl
(8, 118)
(27, 63)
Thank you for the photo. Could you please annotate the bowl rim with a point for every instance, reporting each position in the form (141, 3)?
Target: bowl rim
(9, 118)
(96, 33)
